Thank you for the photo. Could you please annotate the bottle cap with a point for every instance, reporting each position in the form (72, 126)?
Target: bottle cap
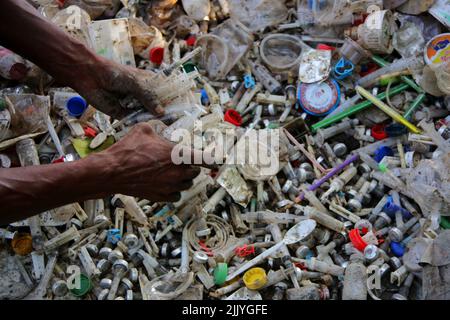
(189, 67)
(220, 273)
(357, 241)
(397, 249)
(190, 41)
(378, 132)
(255, 278)
(383, 151)
(85, 286)
(233, 117)
(76, 106)
(157, 55)
(319, 99)
(22, 244)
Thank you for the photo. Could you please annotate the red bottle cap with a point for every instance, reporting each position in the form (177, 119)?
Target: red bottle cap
(157, 55)
(378, 132)
(322, 46)
(233, 117)
(89, 132)
(357, 241)
(59, 160)
(191, 40)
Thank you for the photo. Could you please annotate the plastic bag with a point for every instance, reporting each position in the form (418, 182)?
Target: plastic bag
(29, 114)
(223, 47)
(430, 183)
(258, 14)
(408, 40)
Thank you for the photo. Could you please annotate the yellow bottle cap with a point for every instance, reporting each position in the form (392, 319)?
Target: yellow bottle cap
(255, 278)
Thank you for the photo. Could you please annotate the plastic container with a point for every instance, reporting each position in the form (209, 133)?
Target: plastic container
(281, 52)
(353, 52)
(376, 32)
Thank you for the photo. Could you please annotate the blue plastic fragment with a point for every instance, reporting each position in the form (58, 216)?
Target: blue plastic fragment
(249, 81)
(204, 97)
(343, 69)
(113, 236)
(390, 208)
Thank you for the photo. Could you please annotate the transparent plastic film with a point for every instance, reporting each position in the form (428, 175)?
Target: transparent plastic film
(258, 14)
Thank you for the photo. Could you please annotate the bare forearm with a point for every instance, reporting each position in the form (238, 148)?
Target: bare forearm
(26, 32)
(27, 191)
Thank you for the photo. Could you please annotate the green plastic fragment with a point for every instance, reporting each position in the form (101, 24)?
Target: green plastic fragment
(220, 273)
(82, 146)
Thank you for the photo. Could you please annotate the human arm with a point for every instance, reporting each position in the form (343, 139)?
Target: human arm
(138, 165)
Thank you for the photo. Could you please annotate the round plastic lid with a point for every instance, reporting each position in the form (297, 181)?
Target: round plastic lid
(357, 241)
(255, 278)
(85, 286)
(319, 99)
(378, 132)
(220, 273)
(233, 117)
(76, 106)
(437, 50)
(157, 55)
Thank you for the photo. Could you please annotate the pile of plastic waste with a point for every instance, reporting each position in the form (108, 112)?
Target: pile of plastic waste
(357, 93)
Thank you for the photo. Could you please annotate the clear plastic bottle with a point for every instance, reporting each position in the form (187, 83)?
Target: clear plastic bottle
(355, 279)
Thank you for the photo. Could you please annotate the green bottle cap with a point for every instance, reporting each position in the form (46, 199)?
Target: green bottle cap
(382, 167)
(445, 223)
(85, 286)
(189, 67)
(220, 273)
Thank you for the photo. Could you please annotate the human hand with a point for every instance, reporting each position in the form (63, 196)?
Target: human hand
(107, 85)
(142, 167)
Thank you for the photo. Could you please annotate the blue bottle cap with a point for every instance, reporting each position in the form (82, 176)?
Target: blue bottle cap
(383, 151)
(249, 82)
(76, 106)
(397, 249)
(319, 99)
(204, 97)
